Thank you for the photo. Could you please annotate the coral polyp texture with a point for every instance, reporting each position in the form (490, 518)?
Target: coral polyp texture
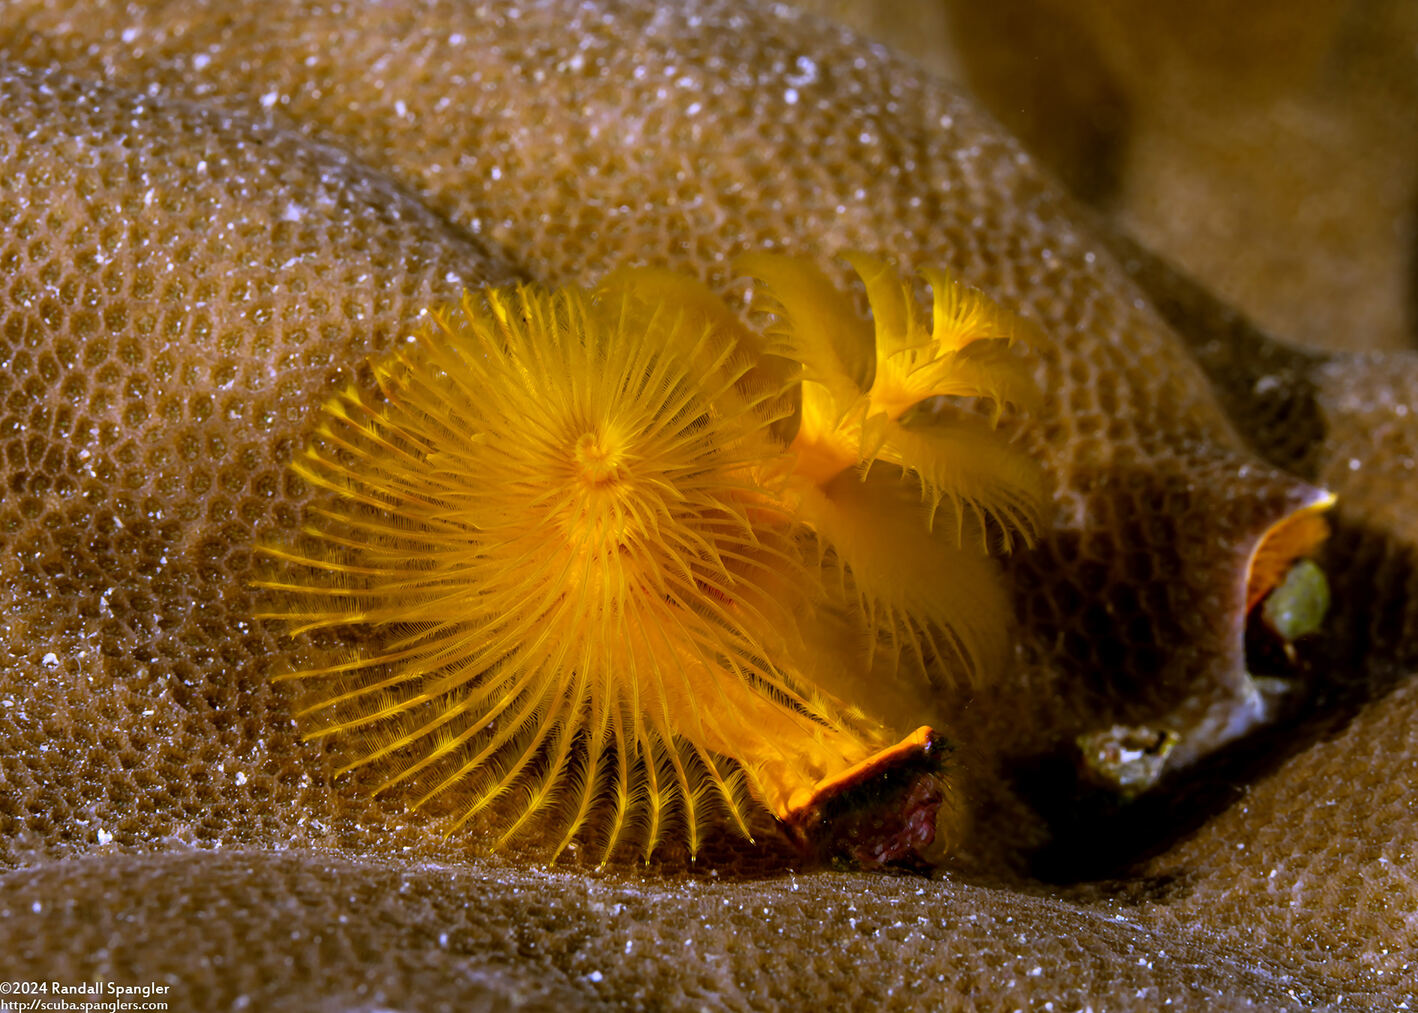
(586, 579)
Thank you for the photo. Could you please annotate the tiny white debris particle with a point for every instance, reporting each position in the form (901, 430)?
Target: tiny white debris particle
(50, 660)
(129, 34)
(594, 977)
(241, 777)
(104, 837)
(790, 96)
(807, 72)
(1354, 464)
(36, 907)
(442, 939)
(269, 99)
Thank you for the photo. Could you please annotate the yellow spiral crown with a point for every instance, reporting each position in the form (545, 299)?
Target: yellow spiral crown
(583, 574)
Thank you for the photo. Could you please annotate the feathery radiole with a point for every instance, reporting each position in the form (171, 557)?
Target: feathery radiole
(615, 558)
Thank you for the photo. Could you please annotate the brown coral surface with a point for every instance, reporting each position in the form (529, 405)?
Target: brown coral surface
(197, 251)
(1268, 147)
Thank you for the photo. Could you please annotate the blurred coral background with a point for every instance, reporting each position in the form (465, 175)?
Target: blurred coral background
(1268, 148)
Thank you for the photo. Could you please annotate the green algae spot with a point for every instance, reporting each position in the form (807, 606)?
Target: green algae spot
(1298, 606)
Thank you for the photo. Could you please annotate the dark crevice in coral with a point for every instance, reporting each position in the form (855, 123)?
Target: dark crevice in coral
(1367, 648)
(1096, 835)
